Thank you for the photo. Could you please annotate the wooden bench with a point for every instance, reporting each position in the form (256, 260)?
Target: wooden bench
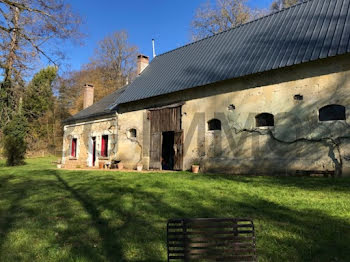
(211, 239)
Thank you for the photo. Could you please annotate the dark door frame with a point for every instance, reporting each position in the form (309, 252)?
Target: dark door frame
(93, 151)
(165, 119)
(168, 150)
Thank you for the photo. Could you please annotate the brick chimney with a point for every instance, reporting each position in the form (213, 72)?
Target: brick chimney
(142, 63)
(88, 95)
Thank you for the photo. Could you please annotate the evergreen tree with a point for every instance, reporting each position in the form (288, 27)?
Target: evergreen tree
(14, 137)
(39, 109)
(38, 97)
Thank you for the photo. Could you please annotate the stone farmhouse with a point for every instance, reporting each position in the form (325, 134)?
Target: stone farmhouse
(271, 96)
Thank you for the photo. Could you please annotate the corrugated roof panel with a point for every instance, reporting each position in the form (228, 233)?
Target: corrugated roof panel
(267, 62)
(339, 29)
(229, 58)
(270, 42)
(222, 54)
(316, 38)
(331, 30)
(311, 30)
(283, 41)
(260, 45)
(248, 47)
(303, 26)
(295, 41)
(320, 43)
(292, 38)
(346, 34)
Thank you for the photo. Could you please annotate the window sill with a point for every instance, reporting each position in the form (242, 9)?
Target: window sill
(265, 127)
(73, 158)
(103, 158)
(332, 121)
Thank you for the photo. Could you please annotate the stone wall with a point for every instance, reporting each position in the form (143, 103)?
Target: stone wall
(84, 133)
(133, 150)
(298, 141)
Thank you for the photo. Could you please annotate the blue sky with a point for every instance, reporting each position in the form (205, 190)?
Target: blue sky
(164, 20)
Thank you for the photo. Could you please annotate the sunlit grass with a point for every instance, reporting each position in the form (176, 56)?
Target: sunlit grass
(57, 215)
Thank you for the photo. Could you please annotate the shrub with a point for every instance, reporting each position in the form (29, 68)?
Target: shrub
(14, 135)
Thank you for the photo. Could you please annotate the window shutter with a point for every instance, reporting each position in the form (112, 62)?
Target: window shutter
(104, 146)
(74, 147)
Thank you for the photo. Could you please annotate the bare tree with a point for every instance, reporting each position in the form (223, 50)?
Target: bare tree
(31, 30)
(116, 57)
(281, 4)
(112, 65)
(225, 14)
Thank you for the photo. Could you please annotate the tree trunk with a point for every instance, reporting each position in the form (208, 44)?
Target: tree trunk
(13, 44)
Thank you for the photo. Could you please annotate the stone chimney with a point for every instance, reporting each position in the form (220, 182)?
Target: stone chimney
(88, 95)
(142, 63)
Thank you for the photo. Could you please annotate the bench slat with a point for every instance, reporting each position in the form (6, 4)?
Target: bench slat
(211, 239)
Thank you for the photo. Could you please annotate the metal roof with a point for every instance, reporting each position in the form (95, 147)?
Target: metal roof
(306, 32)
(97, 109)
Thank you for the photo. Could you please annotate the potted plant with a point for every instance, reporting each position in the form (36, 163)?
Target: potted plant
(195, 168)
(120, 166)
(59, 163)
(139, 167)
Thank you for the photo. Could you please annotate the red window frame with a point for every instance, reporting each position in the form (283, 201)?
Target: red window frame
(104, 146)
(74, 147)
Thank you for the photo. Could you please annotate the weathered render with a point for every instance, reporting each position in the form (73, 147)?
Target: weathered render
(297, 142)
(83, 132)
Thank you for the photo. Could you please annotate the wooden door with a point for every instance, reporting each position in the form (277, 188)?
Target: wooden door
(163, 120)
(178, 148)
(156, 151)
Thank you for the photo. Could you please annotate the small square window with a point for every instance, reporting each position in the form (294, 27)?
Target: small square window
(299, 97)
(132, 133)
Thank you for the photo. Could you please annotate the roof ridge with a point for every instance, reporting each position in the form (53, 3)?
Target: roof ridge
(236, 27)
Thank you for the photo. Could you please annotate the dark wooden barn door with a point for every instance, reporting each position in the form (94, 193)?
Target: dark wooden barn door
(167, 119)
(178, 146)
(156, 151)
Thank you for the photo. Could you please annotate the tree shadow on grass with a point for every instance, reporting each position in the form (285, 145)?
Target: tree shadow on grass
(311, 234)
(283, 233)
(34, 207)
(110, 242)
(15, 213)
(134, 226)
(112, 218)
(307, 183)
(286, 234)
(7, 218)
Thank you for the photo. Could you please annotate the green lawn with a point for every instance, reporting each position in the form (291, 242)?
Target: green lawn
(56, 215)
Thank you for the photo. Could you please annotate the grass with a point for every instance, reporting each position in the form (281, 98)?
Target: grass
(57, 215)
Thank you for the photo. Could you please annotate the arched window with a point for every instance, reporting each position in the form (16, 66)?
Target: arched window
(332, 112)
(214, 124)
(264, 119)
(132, 133)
